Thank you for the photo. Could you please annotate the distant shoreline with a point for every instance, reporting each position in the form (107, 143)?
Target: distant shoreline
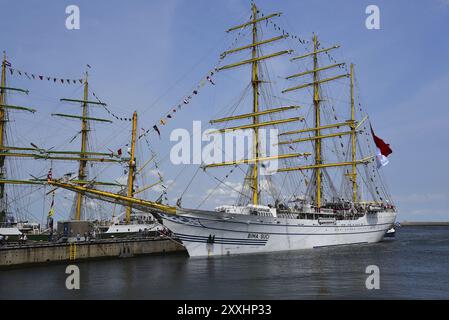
(425, 223)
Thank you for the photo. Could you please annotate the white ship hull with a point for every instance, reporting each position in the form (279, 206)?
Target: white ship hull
(215, 234)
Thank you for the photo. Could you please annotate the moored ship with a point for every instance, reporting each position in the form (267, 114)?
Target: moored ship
(313, 211)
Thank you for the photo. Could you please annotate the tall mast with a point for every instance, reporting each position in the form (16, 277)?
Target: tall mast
(8, 150)
(83, 156)
(253, 175)
(353, 139)
(316, 103)
(83, 163)
(318, 129)
(131, 167)
(255, 83)
(2, 131)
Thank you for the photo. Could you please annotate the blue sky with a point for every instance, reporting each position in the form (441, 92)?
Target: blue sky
(146, 55)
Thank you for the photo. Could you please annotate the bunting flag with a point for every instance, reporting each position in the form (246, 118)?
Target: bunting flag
(157, 130)
(52, 207)
(185, 101)
(287, 34)
(109, 111)
(383, 150)
(303, 41)
(33, 76)
(210, 80)
(49, 174)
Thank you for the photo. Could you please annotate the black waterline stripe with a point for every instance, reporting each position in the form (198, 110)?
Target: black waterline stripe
(229, 241)
(218, 238)
(236, 243)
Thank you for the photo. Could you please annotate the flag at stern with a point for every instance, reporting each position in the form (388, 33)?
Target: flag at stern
(383, 150)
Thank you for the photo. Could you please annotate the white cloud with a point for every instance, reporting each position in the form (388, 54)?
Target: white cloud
(225, 189)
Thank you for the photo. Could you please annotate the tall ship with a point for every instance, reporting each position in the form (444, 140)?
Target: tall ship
(327, 189)
(16, 218)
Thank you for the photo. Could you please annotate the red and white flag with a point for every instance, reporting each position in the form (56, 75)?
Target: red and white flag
(49, 174)
(383, 150)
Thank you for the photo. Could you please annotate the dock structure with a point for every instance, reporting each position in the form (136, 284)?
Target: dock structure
(44, 253)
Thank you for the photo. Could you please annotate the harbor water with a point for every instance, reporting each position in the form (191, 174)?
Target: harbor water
(414, 266)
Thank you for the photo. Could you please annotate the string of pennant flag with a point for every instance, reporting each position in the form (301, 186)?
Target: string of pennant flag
(32, 76)
(301, 40)
(185, 101)
(170, 114)
(207, 79)
(112, 114)
(285, 33)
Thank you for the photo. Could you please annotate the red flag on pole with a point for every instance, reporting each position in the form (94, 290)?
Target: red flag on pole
(383, 150)
(383, 147)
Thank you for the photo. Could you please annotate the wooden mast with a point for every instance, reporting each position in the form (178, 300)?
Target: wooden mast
(353, 139)
(316, 103)
(7, 150)
(83, 163)
(255, 83)
(2, 130)
(83, 156)
(131, 167)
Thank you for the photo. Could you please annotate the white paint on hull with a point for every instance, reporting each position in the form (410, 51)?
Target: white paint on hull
(244, 234)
